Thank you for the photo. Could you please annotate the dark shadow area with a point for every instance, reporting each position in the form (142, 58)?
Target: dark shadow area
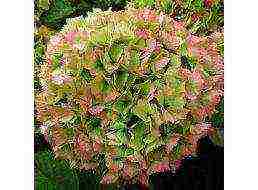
(206, 172)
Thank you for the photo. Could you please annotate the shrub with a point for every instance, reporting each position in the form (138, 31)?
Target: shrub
(133, 87)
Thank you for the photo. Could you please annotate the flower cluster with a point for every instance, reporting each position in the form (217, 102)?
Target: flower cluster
(133, 87)
(200, 16)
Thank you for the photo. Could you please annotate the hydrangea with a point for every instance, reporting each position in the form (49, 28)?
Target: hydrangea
(132, 87)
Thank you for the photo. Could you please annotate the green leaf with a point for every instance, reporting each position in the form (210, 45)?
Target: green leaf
(135, 58)
(217, 118)
(104, 86)
(144, 3)
(98, 65)
(121, 105)
(90, 180)
(101, 37)
(198, 5)
(129, 151)
(167, 6)
(167, 129)
(85, 74)
(149, 139)
(39, 52)
(145, 88)
(217, 137)
(94, 122)
(173, 102)
(121, 136)
(151, 143)
(116, 52)
(138, 135)
(58, 12)
(120, 132)
(118, 125)
(53, 174)
(205, 99)
(56, 61)
(143, 109)
(183, 49)
(121, 78)
(188, 62)
(43, 4)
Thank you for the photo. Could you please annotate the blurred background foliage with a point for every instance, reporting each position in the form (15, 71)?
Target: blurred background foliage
(202, 18)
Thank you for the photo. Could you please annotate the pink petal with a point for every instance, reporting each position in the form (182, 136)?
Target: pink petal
(142, 33)
(107, 179)
(96, 110)
(162, 63)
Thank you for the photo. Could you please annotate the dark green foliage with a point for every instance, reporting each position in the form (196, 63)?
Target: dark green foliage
(53, 174)
(217, 118)
(121, 78)
(85, 74)
(94, 122)
(38, 53)
(89, 180)
(218, 137)
(59, 10)
(104, 86)
(187, 63)
(121, 105)
(98, 65)
(56, 61)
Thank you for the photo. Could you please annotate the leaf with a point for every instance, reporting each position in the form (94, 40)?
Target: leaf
(167, 6)
(217, 137)
(58, 12)
(104, 87)
(129, 151)
(183, 49)
(118, 125)
(143, 109)
(173, 102)
(151, 143)
(198, 5)
(115, 52)
(144, 3)
(39, 53)
(121, 105)
(135, 58)
(94, 122)
(121, 78)
(101, 37)
(85, 74)
(118, 132)
(53, 174)
(217, 118)
(138, 135)
(121, 137)
(56, 61)
(145, 88)
(43, 4)
(89, 180)
(188, 62)
(98, 65)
